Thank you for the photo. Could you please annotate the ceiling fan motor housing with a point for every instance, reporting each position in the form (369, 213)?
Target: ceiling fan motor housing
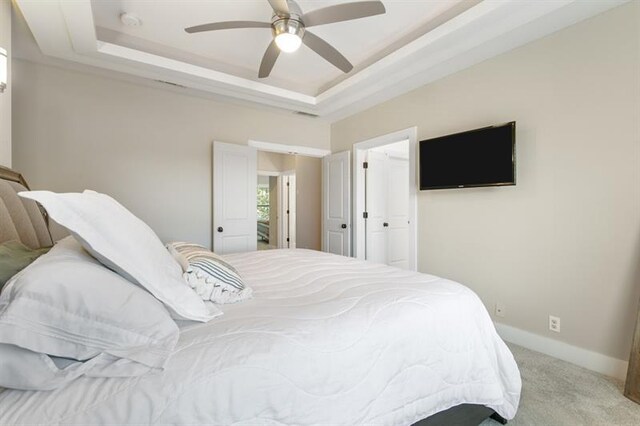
(287, 26)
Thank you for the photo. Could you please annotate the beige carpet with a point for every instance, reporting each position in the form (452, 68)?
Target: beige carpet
(557, 393)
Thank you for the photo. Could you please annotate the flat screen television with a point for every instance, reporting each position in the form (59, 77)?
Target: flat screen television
(480, 157)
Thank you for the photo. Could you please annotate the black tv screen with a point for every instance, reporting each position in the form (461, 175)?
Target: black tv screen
(481, 157)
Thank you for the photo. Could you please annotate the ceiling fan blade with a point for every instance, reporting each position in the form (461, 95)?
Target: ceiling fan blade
(327, 51)
(294, 7)
(269, 60)
(280, 7)
(343, 12)
(227, 26)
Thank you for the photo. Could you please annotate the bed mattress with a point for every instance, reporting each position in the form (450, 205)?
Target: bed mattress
(325, 340)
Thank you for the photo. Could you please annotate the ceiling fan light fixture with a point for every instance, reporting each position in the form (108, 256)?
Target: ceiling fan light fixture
(288, 29)
(288, 34)
(288, 42)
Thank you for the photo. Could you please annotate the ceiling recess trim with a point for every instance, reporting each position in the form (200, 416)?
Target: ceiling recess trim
(217, 77)
(289, 149)
(66, 30)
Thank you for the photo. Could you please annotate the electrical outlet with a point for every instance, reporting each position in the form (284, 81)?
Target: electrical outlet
(501, 310)
(554, 323)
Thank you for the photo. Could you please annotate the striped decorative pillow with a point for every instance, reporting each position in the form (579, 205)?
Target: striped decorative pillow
(209, 274)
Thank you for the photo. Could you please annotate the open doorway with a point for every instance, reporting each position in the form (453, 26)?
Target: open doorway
(276, 201)
(276, 210)
(386, 200)
(236, 169)
(267, 210)
(386, 187)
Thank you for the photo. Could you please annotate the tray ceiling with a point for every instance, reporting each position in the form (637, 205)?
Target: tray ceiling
(414, 43)
(239, 51)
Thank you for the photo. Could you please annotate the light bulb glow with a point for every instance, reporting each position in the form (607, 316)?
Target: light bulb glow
(288, 42)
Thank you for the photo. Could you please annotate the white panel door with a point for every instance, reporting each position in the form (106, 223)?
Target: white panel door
(398, 212)
(234, 198)
(336, 218)
(376, 184)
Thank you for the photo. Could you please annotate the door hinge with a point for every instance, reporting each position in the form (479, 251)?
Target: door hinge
(365, 215)
(365, 165)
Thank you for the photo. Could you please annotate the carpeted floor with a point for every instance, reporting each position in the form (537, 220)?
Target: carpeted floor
(557, 393)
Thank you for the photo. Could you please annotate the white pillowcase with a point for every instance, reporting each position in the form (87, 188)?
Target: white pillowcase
(124, 243)
(27, 370)
(66, 304)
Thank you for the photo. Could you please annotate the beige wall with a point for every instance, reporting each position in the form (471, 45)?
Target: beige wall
(149, 148)
(5, 98)
(308, 202)
(565, 240)
(275, 162)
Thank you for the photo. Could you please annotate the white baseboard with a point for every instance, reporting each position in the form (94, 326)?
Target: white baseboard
(590, 360)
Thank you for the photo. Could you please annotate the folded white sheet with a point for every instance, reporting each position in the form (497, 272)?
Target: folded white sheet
(27, 370)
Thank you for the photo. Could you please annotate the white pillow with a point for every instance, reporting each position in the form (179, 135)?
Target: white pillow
(27, 370)
(66, 304)
(124, 243)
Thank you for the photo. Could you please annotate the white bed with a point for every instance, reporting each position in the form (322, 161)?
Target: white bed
(325, 340)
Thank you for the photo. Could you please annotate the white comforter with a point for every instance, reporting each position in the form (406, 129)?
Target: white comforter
(325, 340)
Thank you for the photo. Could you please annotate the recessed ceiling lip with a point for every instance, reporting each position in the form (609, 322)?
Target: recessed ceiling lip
(171, 83)
(306, 114)
(216, 77)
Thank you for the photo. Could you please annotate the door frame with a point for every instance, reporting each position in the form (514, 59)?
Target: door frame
(292, 210)
(270, 173)
(359, 152)
(281, 206)
(288, 149)
(280, 148)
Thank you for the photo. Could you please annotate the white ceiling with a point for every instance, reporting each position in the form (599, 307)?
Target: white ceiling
(240, 51)
(414, 43)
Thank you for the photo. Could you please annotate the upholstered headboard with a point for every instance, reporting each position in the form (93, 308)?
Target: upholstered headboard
(20, 219)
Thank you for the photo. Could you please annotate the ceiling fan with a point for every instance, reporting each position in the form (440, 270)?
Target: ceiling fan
(288, 26)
